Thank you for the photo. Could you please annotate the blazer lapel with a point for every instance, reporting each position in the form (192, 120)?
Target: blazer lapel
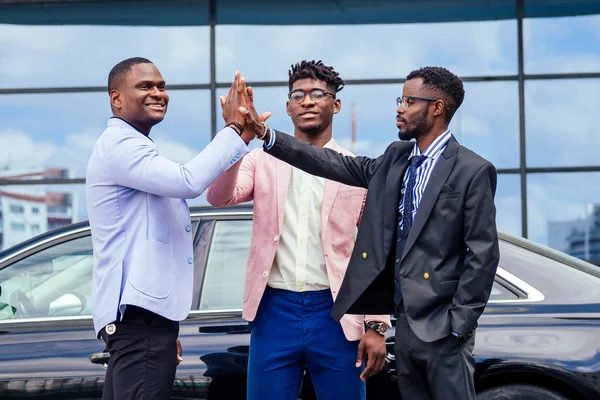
(330, 191)
(391, 201)
(438, 177)
(284, 174)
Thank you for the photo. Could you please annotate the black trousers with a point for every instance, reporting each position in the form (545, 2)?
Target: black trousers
(143, 356)
(440, 370)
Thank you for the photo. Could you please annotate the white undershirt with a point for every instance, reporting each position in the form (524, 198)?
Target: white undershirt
(299, 263)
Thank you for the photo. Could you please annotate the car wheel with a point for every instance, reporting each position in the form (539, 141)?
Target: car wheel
(519, 392)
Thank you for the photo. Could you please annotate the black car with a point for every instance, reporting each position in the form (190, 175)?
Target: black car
(539, 335)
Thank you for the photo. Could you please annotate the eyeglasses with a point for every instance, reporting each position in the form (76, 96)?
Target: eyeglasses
(316, 95)
(403, 102)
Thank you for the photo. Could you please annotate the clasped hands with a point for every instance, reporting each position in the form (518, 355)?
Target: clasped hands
(239, 113)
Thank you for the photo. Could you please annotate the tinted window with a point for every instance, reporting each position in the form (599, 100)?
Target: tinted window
(223, 286)
(54, 282)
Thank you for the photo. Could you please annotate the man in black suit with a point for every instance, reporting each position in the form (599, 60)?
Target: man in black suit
(427, 246)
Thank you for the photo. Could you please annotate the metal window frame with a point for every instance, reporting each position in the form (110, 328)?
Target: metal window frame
(521, 77)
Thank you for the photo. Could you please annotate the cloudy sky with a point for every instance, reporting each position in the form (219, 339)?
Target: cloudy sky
(59, 130)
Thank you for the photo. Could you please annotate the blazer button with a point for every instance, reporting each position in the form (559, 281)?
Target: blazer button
(265, 274)
(188, 228)
(426, 275)
(190, 260)
(276, 238)
(364, 255)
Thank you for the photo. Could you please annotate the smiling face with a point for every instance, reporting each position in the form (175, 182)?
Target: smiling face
(140, 97)
(309, 117)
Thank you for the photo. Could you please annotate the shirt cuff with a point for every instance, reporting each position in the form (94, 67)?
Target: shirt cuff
(271, 141)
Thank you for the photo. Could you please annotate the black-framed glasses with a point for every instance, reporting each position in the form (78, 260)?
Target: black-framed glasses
(316, 95)
(403, 101)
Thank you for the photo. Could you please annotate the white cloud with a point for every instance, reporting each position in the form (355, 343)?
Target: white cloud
(20, 151)
(367, 148)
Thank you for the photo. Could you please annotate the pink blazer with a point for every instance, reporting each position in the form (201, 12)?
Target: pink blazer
(265, 179)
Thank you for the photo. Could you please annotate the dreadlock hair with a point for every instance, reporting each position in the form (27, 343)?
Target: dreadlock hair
(121, 69)
(316, 70)
(445, 84)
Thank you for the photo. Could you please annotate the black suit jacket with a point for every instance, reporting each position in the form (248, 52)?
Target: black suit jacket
(449, 262)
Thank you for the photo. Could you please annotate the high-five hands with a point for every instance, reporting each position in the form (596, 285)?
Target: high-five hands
(238, 110)
(254, 122)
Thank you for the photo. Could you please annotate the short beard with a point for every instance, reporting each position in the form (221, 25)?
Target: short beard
(311, 130)
(419, 129)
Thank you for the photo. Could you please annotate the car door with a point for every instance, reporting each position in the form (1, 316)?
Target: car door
(46, 330)
(214, 337)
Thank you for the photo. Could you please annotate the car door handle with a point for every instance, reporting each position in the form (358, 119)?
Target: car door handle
(100, 358)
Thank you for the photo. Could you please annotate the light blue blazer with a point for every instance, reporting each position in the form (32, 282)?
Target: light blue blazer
(141, 229)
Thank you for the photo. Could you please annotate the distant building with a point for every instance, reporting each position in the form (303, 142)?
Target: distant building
(579, 238)
(26, 211)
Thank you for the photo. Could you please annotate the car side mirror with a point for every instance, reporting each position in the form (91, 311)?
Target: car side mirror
(67, 304)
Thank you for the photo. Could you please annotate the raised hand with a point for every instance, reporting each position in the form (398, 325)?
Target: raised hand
(236, 97)
(254, 122)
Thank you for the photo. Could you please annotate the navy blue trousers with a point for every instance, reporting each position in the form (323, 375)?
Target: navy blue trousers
(291, 331)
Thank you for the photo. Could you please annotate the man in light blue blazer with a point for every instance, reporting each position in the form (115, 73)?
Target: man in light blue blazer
(141, 230)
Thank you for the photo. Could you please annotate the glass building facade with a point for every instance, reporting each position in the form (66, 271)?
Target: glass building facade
(531, 96)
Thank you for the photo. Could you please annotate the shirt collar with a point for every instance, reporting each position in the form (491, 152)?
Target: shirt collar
(330, 144)
(436, 148)
(118, 121)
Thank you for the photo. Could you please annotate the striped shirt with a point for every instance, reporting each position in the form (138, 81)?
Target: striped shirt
(432, 153)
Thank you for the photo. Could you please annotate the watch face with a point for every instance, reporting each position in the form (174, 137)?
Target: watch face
(382, 329)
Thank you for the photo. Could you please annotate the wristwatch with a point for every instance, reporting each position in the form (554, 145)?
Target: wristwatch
(380, 327)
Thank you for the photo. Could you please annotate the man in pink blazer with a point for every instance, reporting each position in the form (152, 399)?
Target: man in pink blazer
(303, 234)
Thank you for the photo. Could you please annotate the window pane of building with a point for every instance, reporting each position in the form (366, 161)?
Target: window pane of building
(477, 124)
(508, 204)
(52, 135)
(564, 212)
(567, 44)
(29, 210)
(57, 56)
(488, 122)
(560, 124)
(368, 51)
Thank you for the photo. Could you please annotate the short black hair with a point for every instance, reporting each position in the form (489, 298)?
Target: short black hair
(121, 69)
(445, 83)
(316, 70)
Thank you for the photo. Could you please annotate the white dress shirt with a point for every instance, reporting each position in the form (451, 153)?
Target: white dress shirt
(299, 263)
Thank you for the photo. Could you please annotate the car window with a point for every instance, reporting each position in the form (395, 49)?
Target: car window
(223, 286)
(499, 292)
(56, 281)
